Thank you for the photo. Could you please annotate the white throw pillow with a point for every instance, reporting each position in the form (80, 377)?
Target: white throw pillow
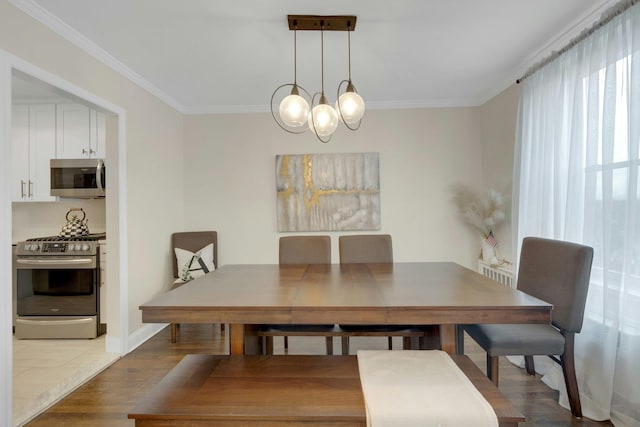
(194, 264)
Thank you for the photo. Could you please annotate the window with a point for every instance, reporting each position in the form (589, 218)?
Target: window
(612, 194)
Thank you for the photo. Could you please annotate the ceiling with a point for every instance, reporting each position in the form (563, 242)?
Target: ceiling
(205, 56)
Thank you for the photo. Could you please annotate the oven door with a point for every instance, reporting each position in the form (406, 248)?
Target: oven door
(57, 286)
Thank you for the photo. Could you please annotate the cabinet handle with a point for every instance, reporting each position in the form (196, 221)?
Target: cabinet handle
(30, 186)
(92, 151)
(84, 151)
(22, 188)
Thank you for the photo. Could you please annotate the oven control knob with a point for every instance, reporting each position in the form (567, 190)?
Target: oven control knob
(85, 247)
(33, 247)
(72, 247)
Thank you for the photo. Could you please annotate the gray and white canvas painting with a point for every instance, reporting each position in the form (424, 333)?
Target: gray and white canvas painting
(328, 192)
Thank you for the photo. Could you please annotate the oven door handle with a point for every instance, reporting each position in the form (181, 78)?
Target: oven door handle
(73, 261)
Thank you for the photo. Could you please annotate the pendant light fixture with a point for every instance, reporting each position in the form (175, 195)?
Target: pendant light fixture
(350, 106)
(293, 110)
(323, 118)
(293, 113)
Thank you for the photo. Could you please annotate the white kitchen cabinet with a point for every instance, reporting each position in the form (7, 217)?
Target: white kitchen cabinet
(98, 135)
(33, 145)
(80, 132)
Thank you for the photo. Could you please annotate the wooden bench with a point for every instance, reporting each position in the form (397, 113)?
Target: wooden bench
(270, 391)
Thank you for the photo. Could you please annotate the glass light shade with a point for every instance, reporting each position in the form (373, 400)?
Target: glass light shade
(351, 105)
(294, 110)
(324, 121)
(310, 123)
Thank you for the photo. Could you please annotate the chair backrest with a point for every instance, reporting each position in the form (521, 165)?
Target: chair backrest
(305, 250)
(193, 241)
(557, 272)
(365, 248)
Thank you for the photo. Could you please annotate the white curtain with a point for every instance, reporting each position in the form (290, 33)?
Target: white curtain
(576, 179)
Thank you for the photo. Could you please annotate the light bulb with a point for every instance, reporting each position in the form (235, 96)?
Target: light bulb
(350, 107)
(294, 110)
(324, 120)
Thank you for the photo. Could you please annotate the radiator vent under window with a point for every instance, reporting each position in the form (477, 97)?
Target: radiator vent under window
(501, 274)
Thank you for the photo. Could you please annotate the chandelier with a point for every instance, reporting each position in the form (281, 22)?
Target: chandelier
(299, 110)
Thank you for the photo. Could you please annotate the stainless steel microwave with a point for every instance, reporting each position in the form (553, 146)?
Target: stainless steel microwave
(78, 178)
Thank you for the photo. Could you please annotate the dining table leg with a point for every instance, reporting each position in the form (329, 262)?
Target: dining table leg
(243, 339)
(448, 338)
(236, 338)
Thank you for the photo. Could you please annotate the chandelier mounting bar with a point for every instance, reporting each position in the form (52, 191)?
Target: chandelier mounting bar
(326, 23)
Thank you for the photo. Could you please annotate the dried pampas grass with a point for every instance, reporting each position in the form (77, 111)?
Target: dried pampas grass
(484, 215)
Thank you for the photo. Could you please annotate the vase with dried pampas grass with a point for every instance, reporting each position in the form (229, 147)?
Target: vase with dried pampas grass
(483, 214)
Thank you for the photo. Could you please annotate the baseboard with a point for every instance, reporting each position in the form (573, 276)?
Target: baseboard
(143, 334)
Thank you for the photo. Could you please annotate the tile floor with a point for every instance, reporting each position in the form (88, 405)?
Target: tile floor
(44, 371)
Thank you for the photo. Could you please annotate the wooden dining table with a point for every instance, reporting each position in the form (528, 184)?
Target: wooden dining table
(417, 293)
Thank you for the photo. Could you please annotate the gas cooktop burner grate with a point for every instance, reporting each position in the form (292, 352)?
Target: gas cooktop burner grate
(87, 238)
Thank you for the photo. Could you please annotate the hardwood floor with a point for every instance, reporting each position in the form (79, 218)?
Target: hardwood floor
(106, 399)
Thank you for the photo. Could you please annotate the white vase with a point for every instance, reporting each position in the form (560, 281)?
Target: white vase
(488, 251)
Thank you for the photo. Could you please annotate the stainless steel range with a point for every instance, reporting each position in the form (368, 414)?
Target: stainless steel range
(58, 287)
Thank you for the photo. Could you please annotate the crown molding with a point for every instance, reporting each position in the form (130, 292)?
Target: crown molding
(426, 103)
(226, 109)
(59, 27)
(371, 105)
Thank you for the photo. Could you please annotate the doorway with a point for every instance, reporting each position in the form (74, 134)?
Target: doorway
(17, 75)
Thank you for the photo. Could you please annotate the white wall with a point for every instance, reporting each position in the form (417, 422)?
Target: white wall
(38, 219)
(230, 179)
(498, 118)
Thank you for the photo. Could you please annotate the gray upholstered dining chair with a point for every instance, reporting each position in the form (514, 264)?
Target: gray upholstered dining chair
(361, 249)
(301, 250)
(366, 248)
(556, 272)
(191, 241)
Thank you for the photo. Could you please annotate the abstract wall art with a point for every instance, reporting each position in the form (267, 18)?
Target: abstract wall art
(328, 192)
